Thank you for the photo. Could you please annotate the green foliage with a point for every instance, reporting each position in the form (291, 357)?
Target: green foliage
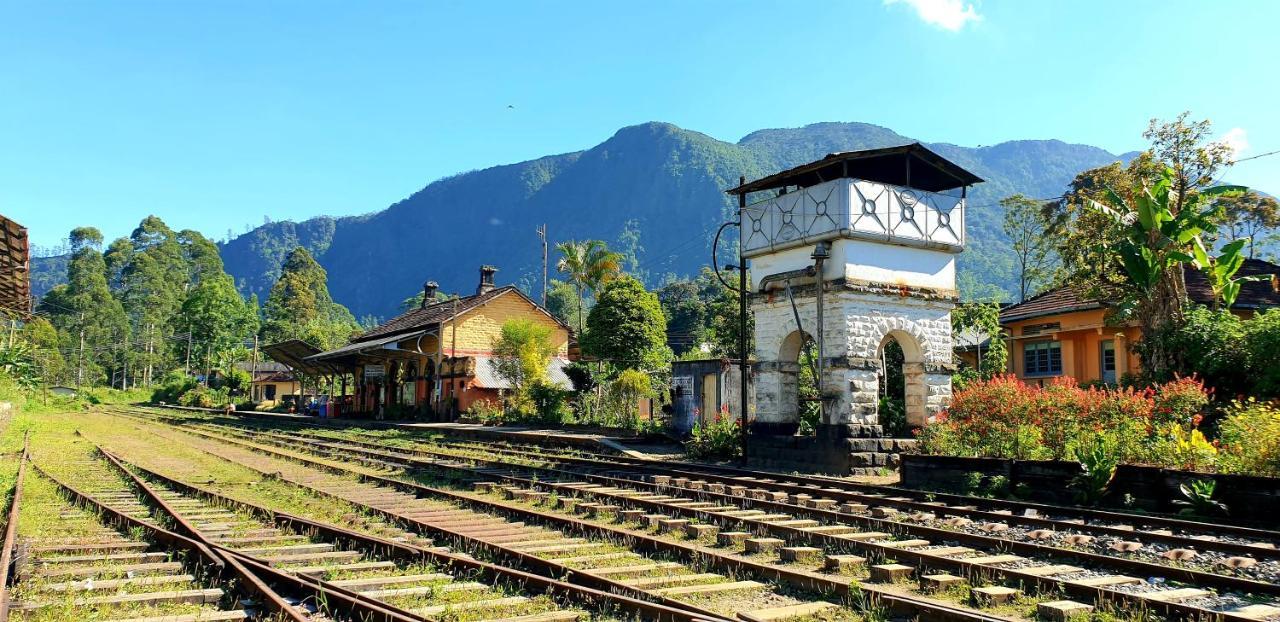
(971, 323)
(1198, 499)
(627, 328)
(1213, 348)
(90, 319)
(300, 307)
(18, 363)
(521, 356)
(1249, 439)
(1098, 457)
(562, 302)
(588, 265)
(1032, 249)
(719, 439)
(173, 386)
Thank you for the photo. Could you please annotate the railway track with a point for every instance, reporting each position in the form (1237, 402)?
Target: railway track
(624, 560)
(1231, 597)
(78, 556)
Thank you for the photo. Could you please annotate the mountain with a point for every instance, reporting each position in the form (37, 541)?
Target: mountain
(655, 179)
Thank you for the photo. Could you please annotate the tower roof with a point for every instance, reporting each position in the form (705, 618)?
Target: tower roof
(912, 165)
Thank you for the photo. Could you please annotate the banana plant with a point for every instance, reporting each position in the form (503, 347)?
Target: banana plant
(1156, 238)
(1221, 270)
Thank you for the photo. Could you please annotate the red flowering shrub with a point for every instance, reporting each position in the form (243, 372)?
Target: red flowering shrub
(1003, 417)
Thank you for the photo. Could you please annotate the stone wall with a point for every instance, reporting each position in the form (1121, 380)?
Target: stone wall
(859, 318)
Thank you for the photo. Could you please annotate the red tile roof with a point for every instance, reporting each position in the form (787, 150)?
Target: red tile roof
(1253, 295)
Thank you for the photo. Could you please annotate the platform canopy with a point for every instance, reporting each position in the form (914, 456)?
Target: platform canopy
(15, 268)
(911, 166)
(294, 354)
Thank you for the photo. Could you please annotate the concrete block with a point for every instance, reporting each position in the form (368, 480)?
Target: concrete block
(701, 531)
(940, 582)
(993, 595)
(838, 563)
(762, 545)
(800, 554)
(890, 573)
(731, 538)
(1062, 610)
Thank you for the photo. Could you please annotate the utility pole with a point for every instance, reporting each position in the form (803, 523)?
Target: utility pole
(188, 368)
(80, 359)
(744, 368)
(253, 375)
(542, 233)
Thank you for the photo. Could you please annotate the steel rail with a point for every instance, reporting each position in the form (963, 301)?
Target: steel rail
(1146, 568)
(407, 552)
(898, 604)
(923, 559)
(701, 470)
(271, 598)
(1037, 522)
(11, 528)
(1025, 521)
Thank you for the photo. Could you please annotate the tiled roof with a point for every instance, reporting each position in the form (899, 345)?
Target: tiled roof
(1253, 295)
(1054, 301)
(417, 319)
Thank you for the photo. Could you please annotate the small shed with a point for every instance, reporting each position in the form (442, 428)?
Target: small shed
(702, 389)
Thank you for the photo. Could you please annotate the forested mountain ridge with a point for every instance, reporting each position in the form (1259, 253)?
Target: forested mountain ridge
(659, 181)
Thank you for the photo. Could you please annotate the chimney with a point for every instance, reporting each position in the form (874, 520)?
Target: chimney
(429, 293)
(486, 279)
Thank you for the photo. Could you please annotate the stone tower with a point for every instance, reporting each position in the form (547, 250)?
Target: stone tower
(879, 230)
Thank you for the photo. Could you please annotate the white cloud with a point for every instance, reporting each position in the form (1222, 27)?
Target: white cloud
(495, 221)
(1238, 140)
(948, 14)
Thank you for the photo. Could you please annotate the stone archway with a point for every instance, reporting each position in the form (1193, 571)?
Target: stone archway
(915, 389)
(778, 386)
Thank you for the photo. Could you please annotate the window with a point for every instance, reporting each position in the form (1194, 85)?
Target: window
(271, 393)
(1042, 358)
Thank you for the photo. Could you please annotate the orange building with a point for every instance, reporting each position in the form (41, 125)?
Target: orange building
(434, 361)
(1061, 333)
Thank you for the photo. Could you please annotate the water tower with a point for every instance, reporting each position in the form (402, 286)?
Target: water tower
(851, 251)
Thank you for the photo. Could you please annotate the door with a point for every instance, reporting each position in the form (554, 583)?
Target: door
(1107, 354)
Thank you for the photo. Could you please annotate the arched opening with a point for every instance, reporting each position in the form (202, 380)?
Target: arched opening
(800, 349)
(901, 404)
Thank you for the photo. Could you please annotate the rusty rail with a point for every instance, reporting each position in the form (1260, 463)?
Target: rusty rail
(254, 584)
(898, 604)
(920, 558)
(11, 528)
(588, 595)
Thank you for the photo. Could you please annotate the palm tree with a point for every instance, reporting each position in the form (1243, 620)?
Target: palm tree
(588, 265)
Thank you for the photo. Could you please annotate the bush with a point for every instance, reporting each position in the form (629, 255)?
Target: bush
(1249, 439)
(1005, 418)
(720, 438)
(1261, 341)
(172, 387)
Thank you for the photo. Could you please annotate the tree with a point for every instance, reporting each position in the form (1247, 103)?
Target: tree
(45, 343)
(300, 307)
(1247, 215)
(588, 265)
(93, 322)
(1157, 242)
(972, 323)
(562, 303)
(153, 281)
(686, 314)
(1032, 249)
(521, 356)
(217, 318)
(626, 327)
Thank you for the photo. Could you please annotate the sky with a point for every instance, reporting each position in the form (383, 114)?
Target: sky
(215, 115)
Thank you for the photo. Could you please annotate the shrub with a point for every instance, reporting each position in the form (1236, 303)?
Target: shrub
(1261, 342)
(1005, 418)
(173, 386)
(1249, 439)
(720, 438)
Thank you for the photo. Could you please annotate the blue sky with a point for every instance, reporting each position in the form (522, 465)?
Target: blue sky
(214, 115)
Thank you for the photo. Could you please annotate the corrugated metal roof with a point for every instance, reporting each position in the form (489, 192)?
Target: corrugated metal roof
(487, 377)
(887, 165)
